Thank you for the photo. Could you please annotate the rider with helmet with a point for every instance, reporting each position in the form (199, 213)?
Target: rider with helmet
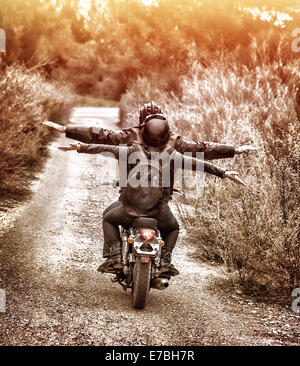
(153, 132)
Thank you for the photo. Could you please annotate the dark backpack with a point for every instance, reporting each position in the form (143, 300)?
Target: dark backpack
(144, 192)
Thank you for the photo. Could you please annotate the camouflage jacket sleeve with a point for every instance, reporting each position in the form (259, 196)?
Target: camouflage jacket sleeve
(211, 150)
(99, 135)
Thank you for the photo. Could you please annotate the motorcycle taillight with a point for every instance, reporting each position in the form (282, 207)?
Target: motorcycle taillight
(147, 234)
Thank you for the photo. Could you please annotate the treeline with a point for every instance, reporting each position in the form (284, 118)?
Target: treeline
(98, 50)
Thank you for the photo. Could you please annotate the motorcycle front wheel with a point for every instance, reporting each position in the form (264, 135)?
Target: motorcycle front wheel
(141, 283)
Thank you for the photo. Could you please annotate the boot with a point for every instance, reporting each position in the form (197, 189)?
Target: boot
(165, 262)
(113, 261)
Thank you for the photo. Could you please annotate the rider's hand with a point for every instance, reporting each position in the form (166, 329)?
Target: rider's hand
(55, 126)
(69, 148)
(244, 148)
(234, 176)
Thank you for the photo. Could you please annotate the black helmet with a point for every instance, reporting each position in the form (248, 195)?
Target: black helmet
(156, 130)
(149, 108)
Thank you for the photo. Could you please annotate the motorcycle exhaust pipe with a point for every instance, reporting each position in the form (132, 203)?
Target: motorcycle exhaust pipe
(159, 283)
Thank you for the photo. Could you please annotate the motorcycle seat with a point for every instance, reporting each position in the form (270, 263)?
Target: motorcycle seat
(146, 222)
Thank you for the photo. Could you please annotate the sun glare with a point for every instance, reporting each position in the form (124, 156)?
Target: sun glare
(279, 18)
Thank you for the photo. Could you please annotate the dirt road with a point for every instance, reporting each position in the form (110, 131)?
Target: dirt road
(51, 246)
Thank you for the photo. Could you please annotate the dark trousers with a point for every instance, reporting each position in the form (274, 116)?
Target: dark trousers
(114, 215)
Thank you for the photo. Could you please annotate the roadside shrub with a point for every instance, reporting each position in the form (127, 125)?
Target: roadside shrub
(252, 230)
(26, 99)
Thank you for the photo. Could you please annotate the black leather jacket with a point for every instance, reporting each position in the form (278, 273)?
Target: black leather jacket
(170, 162)
(99, 135)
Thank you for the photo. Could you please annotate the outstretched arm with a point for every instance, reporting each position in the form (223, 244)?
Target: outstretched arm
(234, 176)
(211, 150)
(94, 135)
(198, 165)
(244, 149)
(70, 147)
(55, 126)
(98, 149)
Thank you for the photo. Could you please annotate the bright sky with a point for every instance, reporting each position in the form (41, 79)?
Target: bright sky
(85, 4)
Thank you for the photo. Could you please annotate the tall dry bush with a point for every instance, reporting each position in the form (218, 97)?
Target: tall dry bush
(253, 230)
(26, 99)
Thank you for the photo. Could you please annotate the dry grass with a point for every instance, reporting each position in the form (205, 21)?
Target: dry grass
(254, 230)
(26, 99)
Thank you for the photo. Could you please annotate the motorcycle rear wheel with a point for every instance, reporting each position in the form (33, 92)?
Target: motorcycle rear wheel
(141, 284)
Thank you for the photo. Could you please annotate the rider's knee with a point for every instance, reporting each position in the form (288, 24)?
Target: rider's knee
(170, 225)
(174, 224)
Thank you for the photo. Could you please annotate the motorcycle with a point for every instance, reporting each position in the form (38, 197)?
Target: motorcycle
(141, 253)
